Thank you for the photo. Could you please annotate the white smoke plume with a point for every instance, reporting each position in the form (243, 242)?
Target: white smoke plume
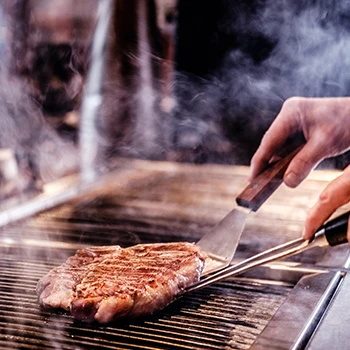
(278, 50)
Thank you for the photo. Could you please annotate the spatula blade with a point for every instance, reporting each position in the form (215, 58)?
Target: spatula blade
(221, 242)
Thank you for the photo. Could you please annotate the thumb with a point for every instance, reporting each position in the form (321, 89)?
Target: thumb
(303, 162)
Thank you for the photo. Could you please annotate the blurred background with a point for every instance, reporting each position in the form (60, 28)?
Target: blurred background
(188, 80)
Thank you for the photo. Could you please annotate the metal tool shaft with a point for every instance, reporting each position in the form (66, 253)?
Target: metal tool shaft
(282, 251)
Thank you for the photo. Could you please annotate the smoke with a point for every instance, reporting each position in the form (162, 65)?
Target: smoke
(41, 153)
(43, 62)
(131, 121)
(37, 146)
(310, 57)
(236, 64)
(267, 51)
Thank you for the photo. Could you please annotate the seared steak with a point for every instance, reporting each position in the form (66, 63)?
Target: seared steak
(106, 283)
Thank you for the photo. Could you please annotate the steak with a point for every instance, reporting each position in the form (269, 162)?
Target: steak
(106, 283)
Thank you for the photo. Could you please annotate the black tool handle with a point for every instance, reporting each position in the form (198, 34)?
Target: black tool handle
(336, 230)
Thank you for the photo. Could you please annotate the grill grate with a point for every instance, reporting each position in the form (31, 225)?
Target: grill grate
(154, 202)
(228, 315)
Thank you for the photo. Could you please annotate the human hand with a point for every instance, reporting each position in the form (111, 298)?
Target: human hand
(336, 194)
(325, 126)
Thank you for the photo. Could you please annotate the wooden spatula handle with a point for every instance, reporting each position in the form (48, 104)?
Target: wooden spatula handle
(261, 188)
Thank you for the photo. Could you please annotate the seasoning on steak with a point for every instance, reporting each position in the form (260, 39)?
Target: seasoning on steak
(106, 283)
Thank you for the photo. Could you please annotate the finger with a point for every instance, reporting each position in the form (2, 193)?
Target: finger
(305, 161)
(286, 124)
(271, 145)
(259, 162)
(336, 194)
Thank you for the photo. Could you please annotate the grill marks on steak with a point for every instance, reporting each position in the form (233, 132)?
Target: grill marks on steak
(106, 283)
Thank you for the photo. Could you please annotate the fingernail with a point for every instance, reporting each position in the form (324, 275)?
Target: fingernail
(291, 179)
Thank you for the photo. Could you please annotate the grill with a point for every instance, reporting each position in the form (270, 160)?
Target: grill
(161, 202)
(274, 307)
(204, 320)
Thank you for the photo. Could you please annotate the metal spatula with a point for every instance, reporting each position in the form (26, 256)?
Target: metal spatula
(221, 243)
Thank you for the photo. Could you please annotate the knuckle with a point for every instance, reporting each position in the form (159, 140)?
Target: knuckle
(293, 103)
(336, 194)
(321, 137)
(302, 165)
(326, 197)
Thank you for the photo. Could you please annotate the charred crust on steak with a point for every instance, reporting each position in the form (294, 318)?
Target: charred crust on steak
(109, 282)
